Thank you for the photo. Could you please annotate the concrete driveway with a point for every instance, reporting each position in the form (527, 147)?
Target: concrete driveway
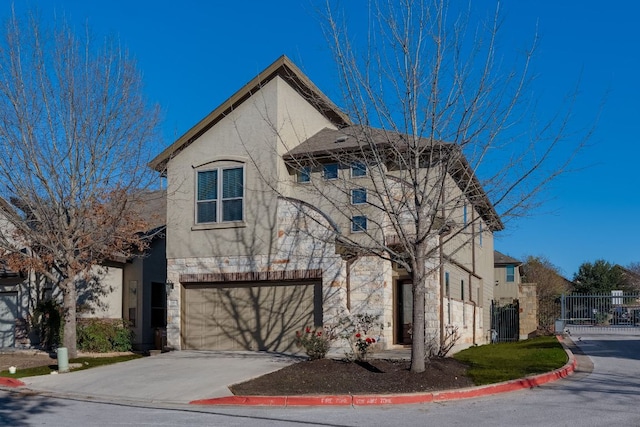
(174, 377)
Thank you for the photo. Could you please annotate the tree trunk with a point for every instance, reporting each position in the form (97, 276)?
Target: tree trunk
(417, 338)
(69, 305)
(418, 351)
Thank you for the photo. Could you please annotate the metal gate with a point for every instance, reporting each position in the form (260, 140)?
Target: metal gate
(505, 322)
(616, 312)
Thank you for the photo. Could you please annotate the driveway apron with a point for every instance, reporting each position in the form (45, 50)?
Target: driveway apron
(175, 377)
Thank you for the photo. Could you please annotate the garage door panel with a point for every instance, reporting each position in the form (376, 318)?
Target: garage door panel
(8, 315)
(247, 317)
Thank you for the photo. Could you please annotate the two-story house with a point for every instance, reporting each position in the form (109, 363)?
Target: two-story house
(133, 289)
(262, 218)
(507, 276)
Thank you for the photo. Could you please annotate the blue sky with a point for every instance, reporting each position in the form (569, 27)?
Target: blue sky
(194, 54)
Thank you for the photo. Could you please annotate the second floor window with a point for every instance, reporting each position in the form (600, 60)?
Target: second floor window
(358, 223)
(220, 195)
(447, 290)
(358, 196)
(464, 214)
(330, 171)
(511, 273)
(358, 169)
(304, 175)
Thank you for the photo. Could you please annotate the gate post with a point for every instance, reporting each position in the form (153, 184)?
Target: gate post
(560, 323)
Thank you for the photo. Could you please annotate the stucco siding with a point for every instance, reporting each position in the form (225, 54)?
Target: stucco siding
(244, 137)
(101, 297)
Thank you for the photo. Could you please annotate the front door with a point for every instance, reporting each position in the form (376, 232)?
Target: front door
(404, 312)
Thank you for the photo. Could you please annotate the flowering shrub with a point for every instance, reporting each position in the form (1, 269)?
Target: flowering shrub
(362, 345)
(359, 331)
(316, 342)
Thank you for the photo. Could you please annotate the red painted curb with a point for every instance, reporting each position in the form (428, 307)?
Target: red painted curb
(11, 382)
(243, 400)
(340, 400)
(395, 399)
(400, 399)
(513, 385)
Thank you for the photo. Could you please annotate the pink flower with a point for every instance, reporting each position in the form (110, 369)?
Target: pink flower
(320, 333)
(308, 330)
(358, 335)
(368, 340)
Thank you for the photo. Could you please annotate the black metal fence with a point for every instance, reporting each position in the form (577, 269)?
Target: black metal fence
(505, 322)
(549, 310)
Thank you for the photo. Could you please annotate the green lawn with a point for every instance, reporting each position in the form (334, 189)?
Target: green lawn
(494, 363)
(87, 363)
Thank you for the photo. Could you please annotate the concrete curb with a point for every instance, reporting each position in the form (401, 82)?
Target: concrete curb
(11, 382)
(401, 399)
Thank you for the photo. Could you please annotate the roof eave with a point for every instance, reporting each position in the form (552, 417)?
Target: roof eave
(282, 67)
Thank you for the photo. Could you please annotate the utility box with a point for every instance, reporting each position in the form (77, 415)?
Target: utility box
(559, 326)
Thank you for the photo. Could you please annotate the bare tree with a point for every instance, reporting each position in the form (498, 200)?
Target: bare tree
(631, 274)
(550, 285)
(541, 271)
(75, 133)
(440, 121)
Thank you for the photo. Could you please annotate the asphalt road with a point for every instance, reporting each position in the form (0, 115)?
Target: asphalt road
(607, 396)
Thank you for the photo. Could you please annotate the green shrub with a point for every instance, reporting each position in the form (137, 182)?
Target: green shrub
(316, 342)
(103, 335)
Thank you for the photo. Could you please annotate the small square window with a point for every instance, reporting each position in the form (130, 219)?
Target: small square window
(330, 171)
(358, 169)
(304, 174)
(358, 223)
(358, 196)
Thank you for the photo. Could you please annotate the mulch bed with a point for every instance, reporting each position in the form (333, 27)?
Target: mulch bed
(25, 359)
(328, 376)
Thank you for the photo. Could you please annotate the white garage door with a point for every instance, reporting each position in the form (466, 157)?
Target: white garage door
(8, 315)
(248, 316)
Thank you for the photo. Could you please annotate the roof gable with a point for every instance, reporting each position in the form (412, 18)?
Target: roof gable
(501, 259)
(283, 68)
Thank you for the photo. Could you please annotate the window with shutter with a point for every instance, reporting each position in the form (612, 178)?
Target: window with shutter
(220, 195)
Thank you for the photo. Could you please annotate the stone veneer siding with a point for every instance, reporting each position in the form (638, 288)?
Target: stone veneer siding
(462, 317)
(528, 302)
(304, 244)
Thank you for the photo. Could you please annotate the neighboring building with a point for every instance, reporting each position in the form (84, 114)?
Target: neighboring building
(131, 289)
(511, 292)
(15, 290)
(507, 276)
(19, 293)
(252, 250)
(134, 289)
